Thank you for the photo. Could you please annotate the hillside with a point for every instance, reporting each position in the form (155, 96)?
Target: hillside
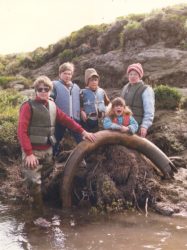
(157, 40)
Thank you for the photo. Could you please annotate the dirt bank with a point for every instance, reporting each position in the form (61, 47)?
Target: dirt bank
(116, 177)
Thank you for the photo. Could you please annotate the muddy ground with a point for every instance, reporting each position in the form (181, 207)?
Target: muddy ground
(117, 178)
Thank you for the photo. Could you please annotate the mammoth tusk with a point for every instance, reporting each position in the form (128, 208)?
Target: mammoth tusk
(104, 137)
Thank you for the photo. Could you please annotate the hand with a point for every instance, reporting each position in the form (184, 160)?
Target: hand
(31, 161)
(124, 129)
(83, 116)
(90, 136)
(143, 132)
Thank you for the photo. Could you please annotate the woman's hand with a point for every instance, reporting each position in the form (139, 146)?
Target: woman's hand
(31, 161)
(90, 136)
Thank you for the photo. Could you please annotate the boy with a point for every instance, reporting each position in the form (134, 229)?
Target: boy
(66, 95)
(93, 101)
(140, 98)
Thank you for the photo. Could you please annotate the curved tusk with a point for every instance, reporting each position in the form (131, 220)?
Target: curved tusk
(104, 137)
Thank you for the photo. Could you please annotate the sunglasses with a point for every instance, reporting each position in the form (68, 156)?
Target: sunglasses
(45, 89)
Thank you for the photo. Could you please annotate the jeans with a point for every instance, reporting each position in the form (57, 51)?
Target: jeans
(90, 125)
(59, 134)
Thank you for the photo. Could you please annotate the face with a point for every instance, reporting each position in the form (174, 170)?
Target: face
(43, 92)
(133, 77)
(93, 83)
(118, 110)
(66, 76)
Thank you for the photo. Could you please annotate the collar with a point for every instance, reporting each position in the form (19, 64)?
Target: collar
(44, 102)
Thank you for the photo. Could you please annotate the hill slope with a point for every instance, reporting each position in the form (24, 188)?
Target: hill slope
(157, 40)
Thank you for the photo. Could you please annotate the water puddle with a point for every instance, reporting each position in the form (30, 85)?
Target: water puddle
(76, 230)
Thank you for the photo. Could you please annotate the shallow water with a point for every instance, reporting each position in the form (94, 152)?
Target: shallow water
(76, 230)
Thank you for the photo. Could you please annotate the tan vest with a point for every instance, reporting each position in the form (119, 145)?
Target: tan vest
(42, 124)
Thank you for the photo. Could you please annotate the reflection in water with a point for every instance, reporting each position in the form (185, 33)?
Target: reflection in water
(76, 230)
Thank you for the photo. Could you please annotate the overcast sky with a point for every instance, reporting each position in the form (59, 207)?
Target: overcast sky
(28, 24)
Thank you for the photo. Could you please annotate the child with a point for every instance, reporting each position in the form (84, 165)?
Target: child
(140, 98)
(93, 101)
(119, 117)
(36, 125)
(66, 95)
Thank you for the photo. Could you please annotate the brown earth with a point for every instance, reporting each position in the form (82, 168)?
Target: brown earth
(115, 177)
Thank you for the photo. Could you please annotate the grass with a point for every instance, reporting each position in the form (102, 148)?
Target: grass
(167, 97)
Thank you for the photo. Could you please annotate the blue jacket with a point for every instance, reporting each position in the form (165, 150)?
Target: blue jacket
(93, 101)
(67, 99)
(109, 124)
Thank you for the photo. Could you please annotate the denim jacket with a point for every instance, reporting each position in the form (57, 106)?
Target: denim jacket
(108, 124)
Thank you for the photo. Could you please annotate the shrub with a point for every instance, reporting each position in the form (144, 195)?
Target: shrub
(137, 17)
(10, 101)
(167, 97)
(88, 34)
(133, 35)
(5, 81)
(132, 25)
(66, 55)
(38, 57)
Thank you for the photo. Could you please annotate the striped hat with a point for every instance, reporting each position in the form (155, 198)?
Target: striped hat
(137, 67)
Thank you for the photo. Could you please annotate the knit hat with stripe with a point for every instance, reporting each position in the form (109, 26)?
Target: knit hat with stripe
(137, 67)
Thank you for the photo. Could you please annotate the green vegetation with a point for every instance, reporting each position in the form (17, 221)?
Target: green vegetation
(167, 97)
(5, 81)
(9, 106)
(66, 55)
(132, 17)
(88, 34)
(132, 30)
(136, 17)
(132, 25)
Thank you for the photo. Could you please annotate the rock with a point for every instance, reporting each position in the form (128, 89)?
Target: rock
(42, 222)
(166, 209)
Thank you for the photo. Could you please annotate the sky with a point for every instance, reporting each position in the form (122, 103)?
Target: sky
(28, 24)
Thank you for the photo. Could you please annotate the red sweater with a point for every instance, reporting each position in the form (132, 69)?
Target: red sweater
(24, 121)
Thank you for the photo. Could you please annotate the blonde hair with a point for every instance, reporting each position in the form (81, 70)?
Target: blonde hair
(66, 66)
(115, 102)
(43, 79)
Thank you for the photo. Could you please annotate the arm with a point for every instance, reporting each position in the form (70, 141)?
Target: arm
(133, 126)
(106, 99)
(148, 99)
(108, 124)
(23, 124)
(83, 113)
(66, 121)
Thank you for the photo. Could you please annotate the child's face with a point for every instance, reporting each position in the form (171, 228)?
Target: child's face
(93, 83)
(118, 109)
(133, 76)
(66, 76)
(43, 91)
